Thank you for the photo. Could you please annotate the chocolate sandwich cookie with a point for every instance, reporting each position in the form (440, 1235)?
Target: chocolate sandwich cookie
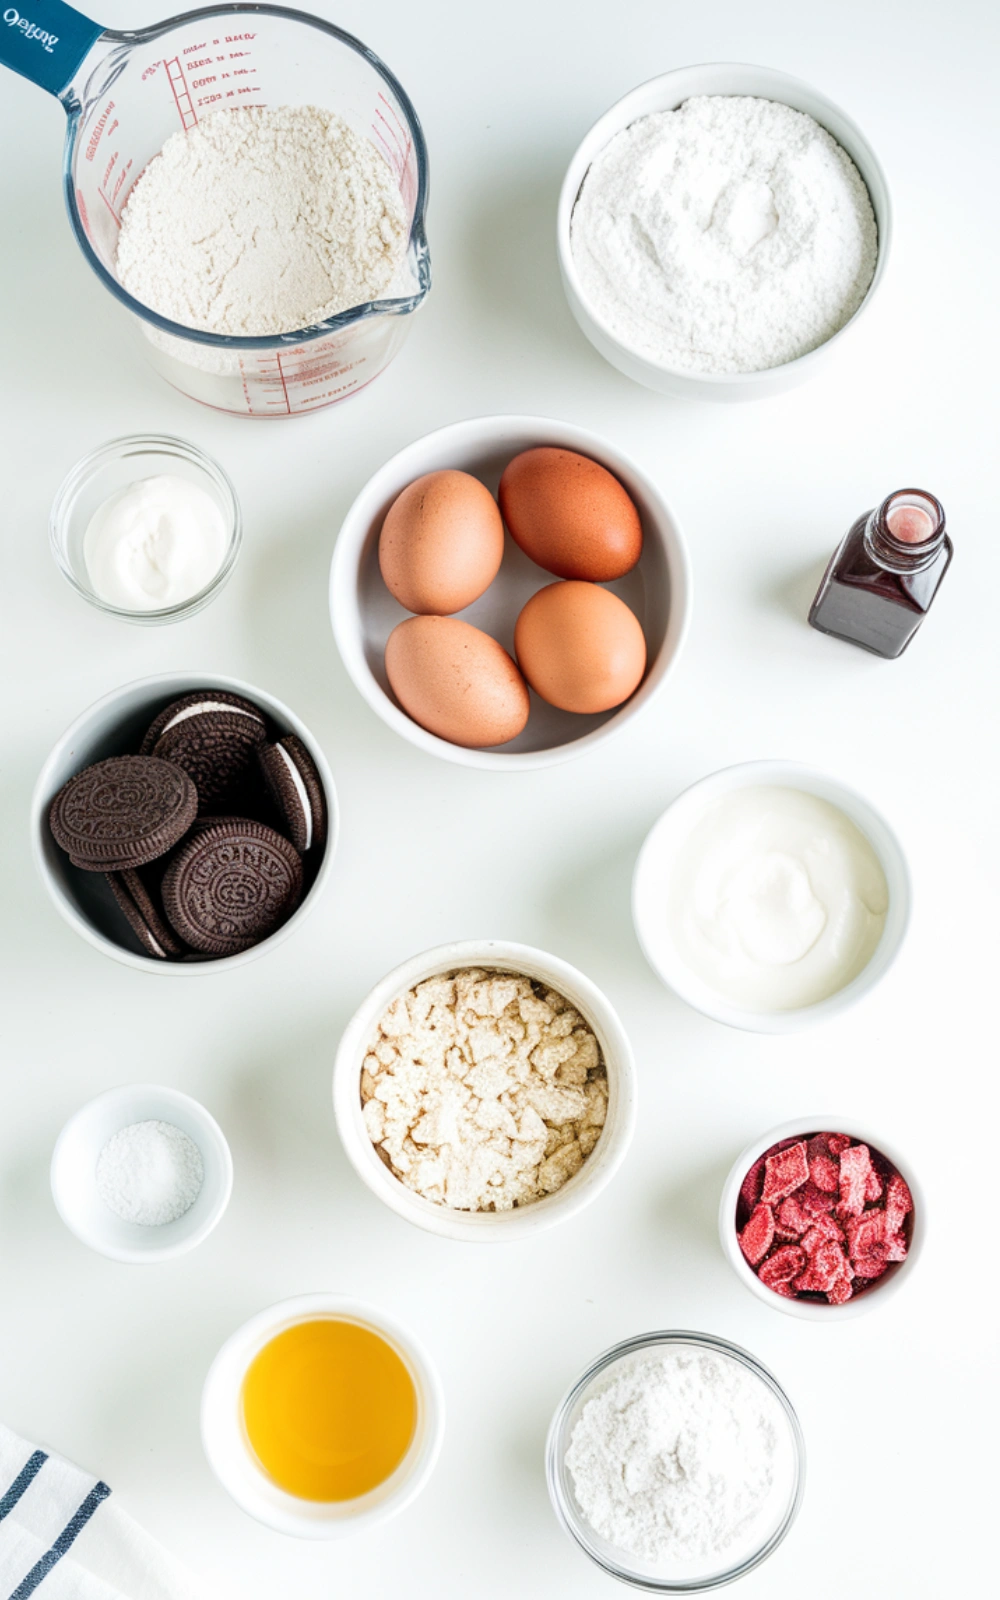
(123, 812)
(142, 916)
(296, 790)
(212, 735)
(230, 885)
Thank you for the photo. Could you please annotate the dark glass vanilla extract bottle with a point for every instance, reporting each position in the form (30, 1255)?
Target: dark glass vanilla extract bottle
(884, 574)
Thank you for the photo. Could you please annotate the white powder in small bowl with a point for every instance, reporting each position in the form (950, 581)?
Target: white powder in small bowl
(731, 235)
(683, 1459)
(150, 1173)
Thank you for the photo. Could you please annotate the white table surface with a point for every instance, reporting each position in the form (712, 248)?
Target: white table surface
(106, 1362)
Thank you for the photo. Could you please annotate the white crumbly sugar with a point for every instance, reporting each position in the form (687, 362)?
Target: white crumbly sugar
(683, 1459)
(483, 1090)
(260, 221)
(730, 235)
(150, 1172)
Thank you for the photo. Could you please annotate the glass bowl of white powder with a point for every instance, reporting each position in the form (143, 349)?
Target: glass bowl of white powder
(676, 1462)
(147, 529)
(719, 229)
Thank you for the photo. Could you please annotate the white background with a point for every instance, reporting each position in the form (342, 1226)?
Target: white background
(105, 1362)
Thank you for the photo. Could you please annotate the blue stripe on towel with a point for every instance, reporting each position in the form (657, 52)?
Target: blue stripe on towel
(26, 1475)
(77, 1523)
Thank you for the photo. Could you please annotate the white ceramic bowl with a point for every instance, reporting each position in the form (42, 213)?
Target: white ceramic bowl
(73, 1173)
(114, 726)
(666, 93)
(488, 1226)
(666, 838)
(364, 613)
(814, 1310)
(225, 1444)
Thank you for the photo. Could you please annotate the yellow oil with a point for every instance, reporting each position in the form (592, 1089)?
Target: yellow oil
(329, 1409)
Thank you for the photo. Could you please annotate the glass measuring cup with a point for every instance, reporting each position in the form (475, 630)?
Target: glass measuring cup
(125, 93)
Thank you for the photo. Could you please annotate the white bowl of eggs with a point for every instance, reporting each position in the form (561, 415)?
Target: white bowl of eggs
(508, 591)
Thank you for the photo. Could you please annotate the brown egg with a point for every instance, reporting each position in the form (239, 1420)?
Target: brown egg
(570, 515)
(580, 647)
(441, 543)
(456, 681)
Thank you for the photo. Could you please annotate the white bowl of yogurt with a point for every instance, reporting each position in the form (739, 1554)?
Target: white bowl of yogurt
(771, 896)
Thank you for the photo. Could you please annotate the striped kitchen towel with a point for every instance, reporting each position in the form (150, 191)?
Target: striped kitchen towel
(62, 1536)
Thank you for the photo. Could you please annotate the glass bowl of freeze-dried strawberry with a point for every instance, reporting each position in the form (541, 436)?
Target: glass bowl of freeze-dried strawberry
(821, 1219)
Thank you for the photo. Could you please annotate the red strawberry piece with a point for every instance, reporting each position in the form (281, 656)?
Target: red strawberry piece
(873, 1188)
(855, 1165)
(866, 1234)
(898, 1203)
(825, 1174)
(837, 1143)
(784, 1172)
(840, 1291)
(778, 1270)
(869, 1267)
(758, 1235)
(895, 1247)
(792, 1220)
(823, 1230)
(815, 1201)
(826, 1265)
(752, 1184)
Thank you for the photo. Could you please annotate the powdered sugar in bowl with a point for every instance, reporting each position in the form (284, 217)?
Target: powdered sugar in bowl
(688, 1516)
(734, 235)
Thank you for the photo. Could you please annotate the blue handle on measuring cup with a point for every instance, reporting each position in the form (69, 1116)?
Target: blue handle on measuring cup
(45, 41)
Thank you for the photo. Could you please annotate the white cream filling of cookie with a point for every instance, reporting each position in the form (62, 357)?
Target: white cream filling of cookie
(208, 705)
(300, 790)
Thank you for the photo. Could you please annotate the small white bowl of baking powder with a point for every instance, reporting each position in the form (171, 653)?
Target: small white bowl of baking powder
(600, 314)
(141, 1152)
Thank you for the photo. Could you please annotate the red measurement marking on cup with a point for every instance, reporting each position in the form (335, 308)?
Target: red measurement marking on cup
(392, 136)
(178, 83)
(110, 207)
(264, 386)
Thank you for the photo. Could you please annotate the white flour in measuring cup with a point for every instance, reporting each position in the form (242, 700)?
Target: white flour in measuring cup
(261, 221)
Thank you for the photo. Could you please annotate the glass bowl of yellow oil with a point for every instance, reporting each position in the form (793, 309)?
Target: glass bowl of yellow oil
(321, 1416)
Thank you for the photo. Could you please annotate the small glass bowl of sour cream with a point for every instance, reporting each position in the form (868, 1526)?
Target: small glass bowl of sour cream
(771, 896)
(146, 528)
